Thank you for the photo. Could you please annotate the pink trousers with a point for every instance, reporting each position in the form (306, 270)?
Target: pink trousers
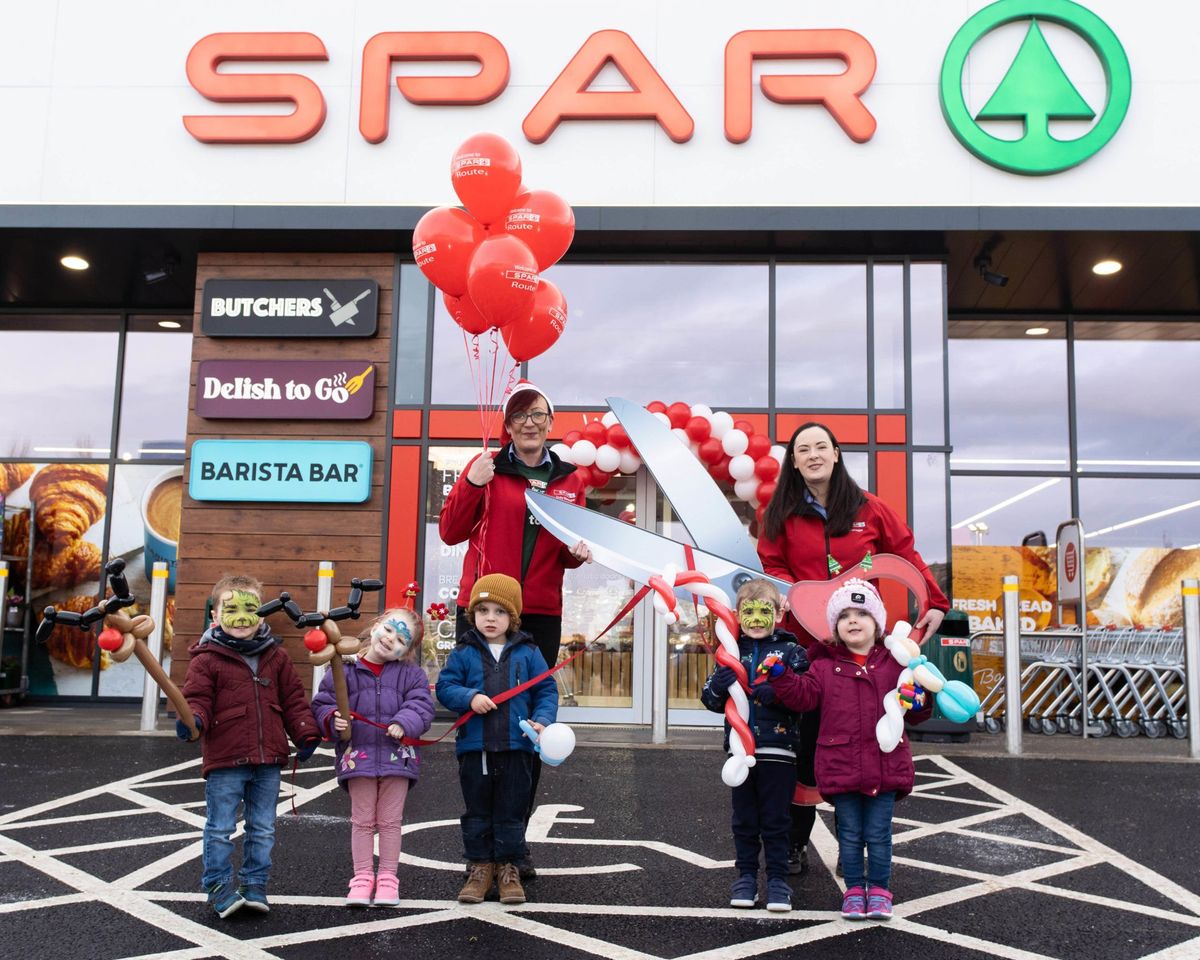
(376, 806)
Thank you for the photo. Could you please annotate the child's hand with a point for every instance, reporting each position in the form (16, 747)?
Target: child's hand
(395, 730)
(481, 703)
(723, 679)
(772, 666)
(536, 726)
(340, 723)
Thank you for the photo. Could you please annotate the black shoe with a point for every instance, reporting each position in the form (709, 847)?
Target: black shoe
(525, 867)
(838, 866)
(798, 859)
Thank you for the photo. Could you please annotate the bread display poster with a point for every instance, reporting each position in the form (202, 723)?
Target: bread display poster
(1125, 587)
(72, 516)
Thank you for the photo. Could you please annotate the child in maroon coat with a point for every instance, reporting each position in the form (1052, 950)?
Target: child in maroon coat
(848, 678)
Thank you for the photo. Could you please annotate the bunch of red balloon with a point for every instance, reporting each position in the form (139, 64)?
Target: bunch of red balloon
(730, 449)
(486, 260)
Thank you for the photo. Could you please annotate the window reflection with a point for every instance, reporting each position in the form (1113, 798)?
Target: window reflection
(889, 335)
(929, 512)
(1137, 394)
(1140, 513)
(927, 291)
(58, 373)
(1001, 511)
(821, 335)
(154, 397)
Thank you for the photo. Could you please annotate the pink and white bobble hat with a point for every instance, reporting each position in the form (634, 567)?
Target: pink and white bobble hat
(860, 594)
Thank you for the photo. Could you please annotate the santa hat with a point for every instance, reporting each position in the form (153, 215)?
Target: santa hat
(524, 386)
(859, 594)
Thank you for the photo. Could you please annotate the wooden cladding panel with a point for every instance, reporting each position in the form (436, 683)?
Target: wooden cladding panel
(282, 543)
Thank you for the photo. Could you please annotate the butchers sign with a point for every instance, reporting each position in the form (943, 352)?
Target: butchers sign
(269, 471)
(286, 389)
(289, 308)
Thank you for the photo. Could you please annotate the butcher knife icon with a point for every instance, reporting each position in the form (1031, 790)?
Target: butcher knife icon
(344, 312)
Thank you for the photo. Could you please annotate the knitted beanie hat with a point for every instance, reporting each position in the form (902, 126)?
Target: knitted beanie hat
(860, 594)
(500, 589)
(524, 386)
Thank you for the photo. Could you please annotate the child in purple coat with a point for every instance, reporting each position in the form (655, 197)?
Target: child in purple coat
(389, 699)
(847, 679)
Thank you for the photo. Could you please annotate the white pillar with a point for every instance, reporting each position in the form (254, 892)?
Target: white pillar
(158, 613)
(1012, 666)
(324, 602)
(1191, 661)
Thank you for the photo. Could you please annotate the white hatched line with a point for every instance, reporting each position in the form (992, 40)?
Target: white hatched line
(118, 844)
(558, 935)
(958, 939)
(139, 799)
(923, 828)
(991, 805)
(1189, 950)
(80, 818)
(357, 929)
(778, 941)
(45, 903)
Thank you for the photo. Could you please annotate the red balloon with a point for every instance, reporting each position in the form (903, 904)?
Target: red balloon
(679, 414)
(617, 437)
(766, 468)
(486, 173)
(656, 406)
(759, 512)
(764, 492)
(462, 311)
(698, 429)
(530, 336)
(571, 437)
(719, 471)
(600, 478)
(584, 474)
(544, 222)
(596, 432)
(443, 242)
(710, 451)
(745, 426)
(503, 280)
(758, 447)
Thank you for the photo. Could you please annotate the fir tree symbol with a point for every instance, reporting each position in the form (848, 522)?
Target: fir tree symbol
(1036, 90)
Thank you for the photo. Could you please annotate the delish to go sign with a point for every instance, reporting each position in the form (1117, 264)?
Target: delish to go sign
(285, 389)
(270, 471)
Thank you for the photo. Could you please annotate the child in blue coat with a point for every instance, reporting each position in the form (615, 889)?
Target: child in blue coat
(495, 759)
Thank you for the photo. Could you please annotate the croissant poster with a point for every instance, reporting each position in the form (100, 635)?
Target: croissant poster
(76, 512)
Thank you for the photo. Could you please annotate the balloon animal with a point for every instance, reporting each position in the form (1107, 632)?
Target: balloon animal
(554, 743)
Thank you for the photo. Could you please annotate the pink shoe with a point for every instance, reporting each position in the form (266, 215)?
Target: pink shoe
(387, 890)
(362, 885)
(879, 904)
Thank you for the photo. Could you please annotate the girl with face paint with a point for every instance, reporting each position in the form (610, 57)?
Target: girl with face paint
(389, 700)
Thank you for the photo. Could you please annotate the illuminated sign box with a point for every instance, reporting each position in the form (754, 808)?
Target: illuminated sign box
(289, 308)
(285, 389)
(274, 471)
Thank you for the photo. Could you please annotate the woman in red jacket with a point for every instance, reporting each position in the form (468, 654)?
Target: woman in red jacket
(818, 523)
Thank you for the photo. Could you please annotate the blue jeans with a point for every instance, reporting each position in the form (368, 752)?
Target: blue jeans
(257, 786)
(493, 826)
(863, 819)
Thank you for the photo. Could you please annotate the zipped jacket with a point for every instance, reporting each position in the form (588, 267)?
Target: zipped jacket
(471, 669)
(246, 717)
(400, 694)
(495, 544)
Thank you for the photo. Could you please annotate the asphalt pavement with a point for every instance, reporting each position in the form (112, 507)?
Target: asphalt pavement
(1076, 855)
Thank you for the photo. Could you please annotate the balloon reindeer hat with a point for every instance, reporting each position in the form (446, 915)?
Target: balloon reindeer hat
(325, 643)
(122, 635)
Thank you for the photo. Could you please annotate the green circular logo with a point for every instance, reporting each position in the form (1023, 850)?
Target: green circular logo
(1035, 89)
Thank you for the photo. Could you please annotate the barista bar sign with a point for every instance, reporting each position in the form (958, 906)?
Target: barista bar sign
(272, 471)
(289, 308)
(285, 389)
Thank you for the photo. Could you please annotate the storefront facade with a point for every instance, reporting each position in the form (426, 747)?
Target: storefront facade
(785, 217)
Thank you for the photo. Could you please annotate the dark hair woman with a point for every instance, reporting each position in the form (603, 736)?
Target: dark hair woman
(818, 523)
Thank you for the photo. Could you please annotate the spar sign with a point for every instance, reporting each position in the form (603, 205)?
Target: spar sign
(1011, 130)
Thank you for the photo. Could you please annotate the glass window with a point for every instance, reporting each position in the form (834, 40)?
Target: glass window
(927, 293)
(889, 336)
(154, 398)
(443, 563)
(1140, 513)
(1136, 395)
(858, 465)
(821, 335)
(1002, 511)
(929, 512)
(57, 386)
(411, 333)
(1008, 395)
(641, 331)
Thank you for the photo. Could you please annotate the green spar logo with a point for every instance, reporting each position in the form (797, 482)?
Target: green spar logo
(1035, 89)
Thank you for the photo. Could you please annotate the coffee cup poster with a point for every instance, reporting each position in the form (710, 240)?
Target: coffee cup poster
(73, 515)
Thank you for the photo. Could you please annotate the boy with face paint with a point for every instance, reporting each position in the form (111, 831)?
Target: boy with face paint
(247, 701)
(762, 803)
(389, 699)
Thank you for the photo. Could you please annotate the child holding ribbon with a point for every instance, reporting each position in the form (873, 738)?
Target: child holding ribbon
(848, 679)
(389, 700)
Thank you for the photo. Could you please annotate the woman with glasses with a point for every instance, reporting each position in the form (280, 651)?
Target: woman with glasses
(486, 508)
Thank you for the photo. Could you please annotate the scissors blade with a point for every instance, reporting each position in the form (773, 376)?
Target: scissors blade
(694, 495)
(632, 552)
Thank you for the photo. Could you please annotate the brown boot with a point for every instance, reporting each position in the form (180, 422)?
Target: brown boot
(508, 881)
(479, 882)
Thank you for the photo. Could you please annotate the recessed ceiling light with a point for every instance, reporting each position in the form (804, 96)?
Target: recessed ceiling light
(1106, 268)
(170, 324)
(72, 262)
(1037, 331)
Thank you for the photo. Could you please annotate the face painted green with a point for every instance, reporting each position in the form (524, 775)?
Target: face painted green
(756, 614)
(240, 609)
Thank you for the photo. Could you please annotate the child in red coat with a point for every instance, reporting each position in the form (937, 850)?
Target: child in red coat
(848, 678)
